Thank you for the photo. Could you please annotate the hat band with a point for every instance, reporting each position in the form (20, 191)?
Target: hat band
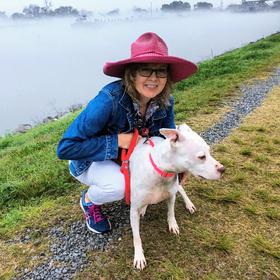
(149, 54)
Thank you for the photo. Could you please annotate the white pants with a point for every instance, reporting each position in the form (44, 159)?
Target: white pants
(105, 181)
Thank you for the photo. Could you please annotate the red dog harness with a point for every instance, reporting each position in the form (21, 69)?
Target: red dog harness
(125, 156)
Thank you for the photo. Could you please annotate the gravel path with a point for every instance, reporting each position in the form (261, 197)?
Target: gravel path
(251, 98)
(70, 244)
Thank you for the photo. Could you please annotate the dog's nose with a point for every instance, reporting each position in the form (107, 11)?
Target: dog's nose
(221, 169)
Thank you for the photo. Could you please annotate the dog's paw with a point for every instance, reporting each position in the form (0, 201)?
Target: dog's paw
(139, 261)
(173, 227)
(190, 207)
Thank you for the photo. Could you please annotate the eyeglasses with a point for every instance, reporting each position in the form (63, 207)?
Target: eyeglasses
(147, 72)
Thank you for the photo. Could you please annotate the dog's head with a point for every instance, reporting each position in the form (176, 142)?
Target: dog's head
(190, 152)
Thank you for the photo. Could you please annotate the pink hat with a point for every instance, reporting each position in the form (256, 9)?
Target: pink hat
(150, 48)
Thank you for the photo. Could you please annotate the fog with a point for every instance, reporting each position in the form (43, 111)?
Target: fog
(48, 65)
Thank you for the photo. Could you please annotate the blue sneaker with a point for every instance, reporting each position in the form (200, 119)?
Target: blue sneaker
(95, 220)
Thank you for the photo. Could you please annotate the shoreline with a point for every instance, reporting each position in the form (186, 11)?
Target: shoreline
(24, 127)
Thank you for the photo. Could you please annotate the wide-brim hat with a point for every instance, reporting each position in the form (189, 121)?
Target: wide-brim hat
(150, 48)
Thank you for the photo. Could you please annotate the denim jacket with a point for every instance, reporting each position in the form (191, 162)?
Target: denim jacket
(93, 135)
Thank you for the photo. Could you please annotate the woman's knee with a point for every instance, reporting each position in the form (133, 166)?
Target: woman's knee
(118, 190)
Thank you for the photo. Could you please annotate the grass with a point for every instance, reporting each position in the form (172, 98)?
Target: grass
(235, 215)
(266, 246)
(235, 232)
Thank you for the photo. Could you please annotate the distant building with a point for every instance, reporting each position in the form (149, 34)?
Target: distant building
(250, 6)
(254, 6)
(140, 10)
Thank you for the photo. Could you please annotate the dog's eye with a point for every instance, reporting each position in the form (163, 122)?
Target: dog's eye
(202, 157)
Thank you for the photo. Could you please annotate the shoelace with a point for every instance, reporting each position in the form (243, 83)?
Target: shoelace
(95, 212)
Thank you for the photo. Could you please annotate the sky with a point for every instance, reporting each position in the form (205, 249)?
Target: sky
(10, 6)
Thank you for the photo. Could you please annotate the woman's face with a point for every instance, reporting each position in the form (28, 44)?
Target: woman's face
(150, 80)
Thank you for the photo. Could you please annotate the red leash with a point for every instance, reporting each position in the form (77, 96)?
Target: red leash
(125, 156)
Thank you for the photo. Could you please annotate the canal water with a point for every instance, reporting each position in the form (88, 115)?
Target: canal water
(46, 66)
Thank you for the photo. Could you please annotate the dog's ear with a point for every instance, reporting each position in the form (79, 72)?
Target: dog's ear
(172, 134)
(184, 127)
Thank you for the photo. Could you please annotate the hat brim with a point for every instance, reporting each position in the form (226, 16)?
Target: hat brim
(180, 68)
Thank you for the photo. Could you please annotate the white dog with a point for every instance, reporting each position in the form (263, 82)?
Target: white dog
(154, 167)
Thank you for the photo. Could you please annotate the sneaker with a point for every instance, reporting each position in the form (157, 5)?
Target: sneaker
(95, 220)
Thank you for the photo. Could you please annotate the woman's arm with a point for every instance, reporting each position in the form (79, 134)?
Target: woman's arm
(83, 139)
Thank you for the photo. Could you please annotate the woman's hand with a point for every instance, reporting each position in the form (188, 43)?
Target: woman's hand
(124, 140)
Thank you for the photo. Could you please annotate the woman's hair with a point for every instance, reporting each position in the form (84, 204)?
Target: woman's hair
(128, 81)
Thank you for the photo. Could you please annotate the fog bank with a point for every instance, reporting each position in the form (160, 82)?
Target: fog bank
(46, 66)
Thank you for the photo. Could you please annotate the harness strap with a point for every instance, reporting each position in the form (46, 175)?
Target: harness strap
(162, 173)
(125, 156)
(159, 171)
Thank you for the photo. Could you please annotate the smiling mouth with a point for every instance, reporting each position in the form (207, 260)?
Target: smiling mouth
(151, 86)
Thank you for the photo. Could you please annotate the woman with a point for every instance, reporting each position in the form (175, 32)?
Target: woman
(141, 99)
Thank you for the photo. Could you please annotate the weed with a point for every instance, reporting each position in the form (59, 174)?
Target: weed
(267, 196)
(261, 158)
(263, 245)
(238, 141)
(246, 151)
(273, 213)
(251, 209)
(230, 197)
(224, 243)
(249, 166)
(239, 178)
(221, 148)
(275, 183)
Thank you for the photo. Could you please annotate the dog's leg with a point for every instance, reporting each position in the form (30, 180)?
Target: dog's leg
(189, 204)
(172, 224)
(143, 211)
(139, 258)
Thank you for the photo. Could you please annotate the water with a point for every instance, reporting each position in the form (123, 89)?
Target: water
(46, 66)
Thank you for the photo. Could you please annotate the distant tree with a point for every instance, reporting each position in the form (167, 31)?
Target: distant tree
(276, 5)
(176, 6)
(3, 15)
(17, 16)
(32, 11)
(66, 11)
(203, 6)
(48, 4)
(113, 12)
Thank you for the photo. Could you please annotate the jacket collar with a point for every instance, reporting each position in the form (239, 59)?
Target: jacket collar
(127, 103)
